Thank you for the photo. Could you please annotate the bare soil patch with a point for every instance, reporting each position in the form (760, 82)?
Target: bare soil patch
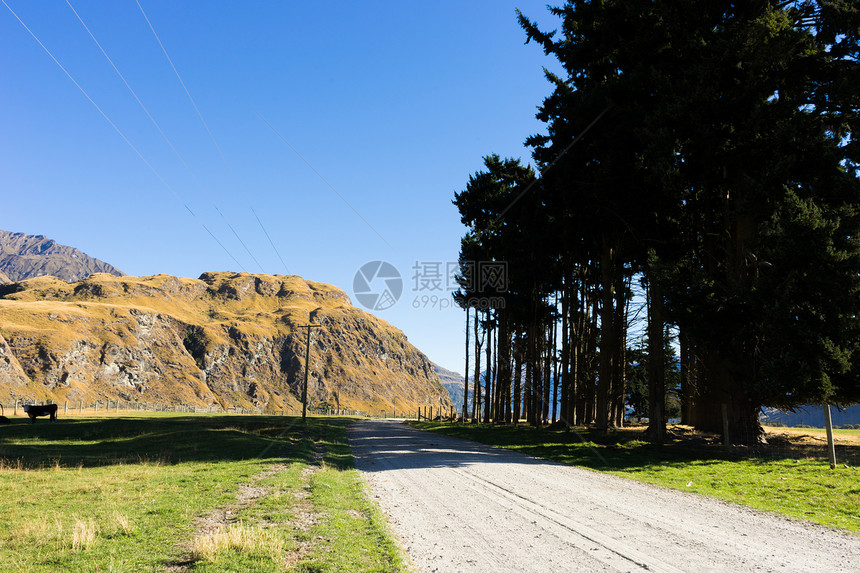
(221, 517)
(250, 492)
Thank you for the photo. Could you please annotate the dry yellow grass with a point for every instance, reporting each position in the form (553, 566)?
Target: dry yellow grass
(252, 540)
(79, 534)
(122, 523)
(84, 534)
(107, 326)
(814, 436)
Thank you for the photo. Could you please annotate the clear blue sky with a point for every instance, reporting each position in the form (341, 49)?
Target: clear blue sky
(393, 103)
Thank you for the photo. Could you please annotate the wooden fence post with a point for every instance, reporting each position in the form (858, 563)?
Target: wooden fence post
(831, 448)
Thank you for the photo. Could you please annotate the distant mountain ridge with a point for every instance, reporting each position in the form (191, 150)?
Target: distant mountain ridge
(25, 256)
(812, 416)
(453, 382)
(73, 328)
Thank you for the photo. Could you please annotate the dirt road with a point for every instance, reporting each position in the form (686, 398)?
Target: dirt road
(461, 506)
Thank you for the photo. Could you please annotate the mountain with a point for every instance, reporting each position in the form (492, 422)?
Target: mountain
(223, 339)
(453, 382)
(29, 256)
(812, 416)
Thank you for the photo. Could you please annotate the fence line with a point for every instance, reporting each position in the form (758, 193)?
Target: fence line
(441, 415)
(80, 407)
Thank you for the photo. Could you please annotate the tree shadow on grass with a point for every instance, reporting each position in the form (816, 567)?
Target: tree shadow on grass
(88, 442)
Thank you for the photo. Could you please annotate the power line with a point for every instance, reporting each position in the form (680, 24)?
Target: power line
(342, 198)
(119, 132)
(554, 161)
(164, 135)
(211, 136)
(270, 240)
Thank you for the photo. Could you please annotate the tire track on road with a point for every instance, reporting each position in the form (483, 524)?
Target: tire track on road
(613, 552)
(434, 505)
(463, 506)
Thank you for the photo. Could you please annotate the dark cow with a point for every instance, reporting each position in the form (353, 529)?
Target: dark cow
(33, 410)
(3, 418)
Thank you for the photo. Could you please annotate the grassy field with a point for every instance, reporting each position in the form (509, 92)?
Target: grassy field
(167, 492)
(791, 476)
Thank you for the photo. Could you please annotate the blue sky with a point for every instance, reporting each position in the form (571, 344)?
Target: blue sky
(390, 104)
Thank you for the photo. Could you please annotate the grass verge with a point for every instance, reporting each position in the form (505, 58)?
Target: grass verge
(788, 478)
(186, 493)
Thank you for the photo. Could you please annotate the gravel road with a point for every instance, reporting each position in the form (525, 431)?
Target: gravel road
(461, 506)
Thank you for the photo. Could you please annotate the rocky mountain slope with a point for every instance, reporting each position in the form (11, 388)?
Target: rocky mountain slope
(453, 382)
(27, 256)
(223, 339)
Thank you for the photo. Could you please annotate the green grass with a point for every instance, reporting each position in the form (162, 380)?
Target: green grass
(356, 534)
(127, 494)
(773, 481)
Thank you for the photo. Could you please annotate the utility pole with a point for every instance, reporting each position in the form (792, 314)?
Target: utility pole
(307, 364)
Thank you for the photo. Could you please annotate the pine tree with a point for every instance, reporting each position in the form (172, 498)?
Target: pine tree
(727, 137)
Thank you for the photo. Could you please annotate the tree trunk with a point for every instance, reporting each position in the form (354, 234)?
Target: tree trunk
(719, 384)
(686, 376)
(608, 340)
(534, 364)
(518, 373)
(488, 397)
(503, 368)
(576, 333)
(527, 389)
(724, 378)
(554, 395)
(566, 395)
(466, 375)
(547, 373)
(656, 365)
(589, 355)
(622, 304)
(476, 380)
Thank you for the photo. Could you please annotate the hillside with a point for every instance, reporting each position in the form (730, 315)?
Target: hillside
(28, 256)
(453, 382)
(223, 339)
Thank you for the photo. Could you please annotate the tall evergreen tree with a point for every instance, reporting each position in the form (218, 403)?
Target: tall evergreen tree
(729, 135)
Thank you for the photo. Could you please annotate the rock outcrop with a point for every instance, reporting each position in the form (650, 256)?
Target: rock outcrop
(234, 340)
(27, 256)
